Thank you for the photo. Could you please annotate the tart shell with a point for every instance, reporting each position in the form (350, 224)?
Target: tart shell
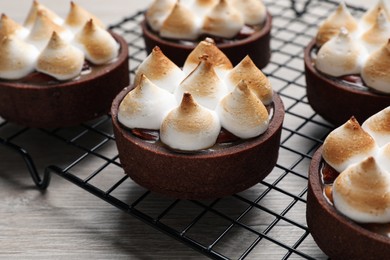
(66, 103)
(336, 235)
(210, 174)
(257, 46)
(335, 101)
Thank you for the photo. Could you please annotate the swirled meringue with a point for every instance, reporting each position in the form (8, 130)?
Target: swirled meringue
(341, 55)
(43, 29)
(160, 70)
(254, 78)
(371, 15)
(253, 11)
(158, 11)
(207, 47)
(97, 44)
(242, 113)
(378, 34)
(378, 126)
(60, 59)
(348, 144)
(204, 85)
(223, 21)
(362, 192)
(190, 126)
(17, 58)
(145, 106)
(376, 70)
(181, 23)
(9, 27)
(77, 17)
(33, 13)
(331, 26)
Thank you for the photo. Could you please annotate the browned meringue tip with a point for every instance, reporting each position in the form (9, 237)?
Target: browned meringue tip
(188, 103)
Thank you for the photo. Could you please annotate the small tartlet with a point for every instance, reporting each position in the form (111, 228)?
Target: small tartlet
(227, 165)
(256, 44)
(347, 92)
(41, 100)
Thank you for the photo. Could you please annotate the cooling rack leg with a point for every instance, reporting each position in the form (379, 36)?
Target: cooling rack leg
(41, 183)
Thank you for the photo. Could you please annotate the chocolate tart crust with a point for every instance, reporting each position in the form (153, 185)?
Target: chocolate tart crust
(66, 103)
(336, 235)
(335, 101)
(200, 175)
(257, 46)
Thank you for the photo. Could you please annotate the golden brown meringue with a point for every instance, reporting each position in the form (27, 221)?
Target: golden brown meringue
(77, 17)
(378, 126)
(371, 15)
(9, 27)
(60, 59)
(254, 78)
(158, 11)
(33, 13)
(331, 26)
(379, 33)
(346, 144)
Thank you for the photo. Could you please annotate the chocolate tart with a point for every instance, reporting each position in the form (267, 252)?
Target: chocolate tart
(257, 46)
(199, 175)
(336, 235)
(47, 103)
(336, 101)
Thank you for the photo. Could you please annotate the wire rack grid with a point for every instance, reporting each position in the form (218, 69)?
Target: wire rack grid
(266, 221)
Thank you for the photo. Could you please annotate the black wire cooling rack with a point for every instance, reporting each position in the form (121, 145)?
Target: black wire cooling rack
(265, 220)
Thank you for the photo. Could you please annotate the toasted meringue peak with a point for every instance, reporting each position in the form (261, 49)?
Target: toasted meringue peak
(371, 15)
(202, 7)
(33, 13)
(383, 157)
(181, 23)
(160, 70)
(43, 29)
(348, 144)
(362, 192)
(223, 21)
(242, 113)
(341, 55)
(255, 79)
(376, 70)
(145, 106)
(17, 58)
(97, 44)
(190, 126)
(77, 17)
(331, 26)
(10, 27)
(253, 11)
(378, 126)
(158, 11)
(378, 34)
(204, 85)
(215, 56)
(60, 59)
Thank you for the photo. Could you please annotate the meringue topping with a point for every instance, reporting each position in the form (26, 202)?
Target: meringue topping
(160, 70)
(371, 15)
(383, 157)
(10, 27)
(158, 11)
(214, 55)
(242, 113)
(376, 70)
(33, 13)
(378, 126)
(379, 33)
(43, 29)
(341, 55)
(60, 59)
(223, 21)
(348, 144)
(98, 45)
(190, 126)
(362, 192)
(78, 17)
(331, 26)
(204, 85)
(145, 106)
(181, 23)
(17, 58)
(253, 11)
(255, 79)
